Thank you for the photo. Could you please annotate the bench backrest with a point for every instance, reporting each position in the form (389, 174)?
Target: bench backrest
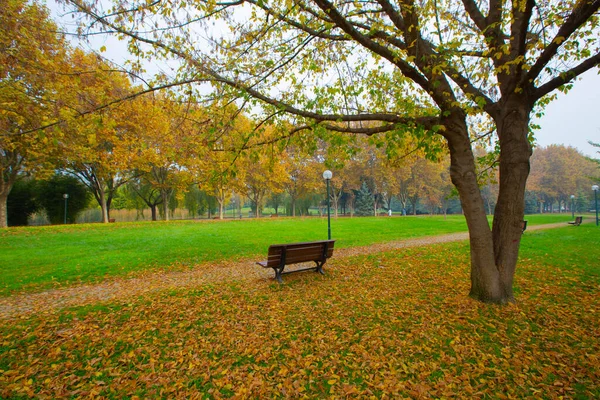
(295, 253)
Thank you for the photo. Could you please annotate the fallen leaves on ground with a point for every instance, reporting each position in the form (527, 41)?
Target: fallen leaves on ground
(387, 325)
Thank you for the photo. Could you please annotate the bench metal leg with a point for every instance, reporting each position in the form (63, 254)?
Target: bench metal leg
(278, 272)
(319, 268)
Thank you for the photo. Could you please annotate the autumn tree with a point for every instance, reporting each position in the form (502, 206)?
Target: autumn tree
(226, 132)
(170, 146)
(304, 175)
(596, 175)
(261, 171)
(31, 65)
(411, 67)
(557, 172)
(342, 154)
(98, 146)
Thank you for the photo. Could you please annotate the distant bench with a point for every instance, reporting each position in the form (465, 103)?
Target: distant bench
(577, 221)
(281, 255)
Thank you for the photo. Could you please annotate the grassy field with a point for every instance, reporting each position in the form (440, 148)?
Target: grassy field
(41, 257)
(388, 325)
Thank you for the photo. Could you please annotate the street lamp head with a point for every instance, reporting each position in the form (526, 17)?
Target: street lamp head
(595, 188)
(572, 196)
(65, 196)
(327, 175)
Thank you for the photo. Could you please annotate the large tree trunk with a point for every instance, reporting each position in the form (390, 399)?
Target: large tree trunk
(485, 282)
(515, 151)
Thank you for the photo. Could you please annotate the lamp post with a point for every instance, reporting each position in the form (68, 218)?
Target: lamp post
(327, 176)
(66, 197)
(573, 206)
(595, 189)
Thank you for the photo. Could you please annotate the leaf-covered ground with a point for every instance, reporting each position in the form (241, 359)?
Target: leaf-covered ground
(385, 325)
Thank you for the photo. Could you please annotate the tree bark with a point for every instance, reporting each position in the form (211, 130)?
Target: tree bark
(103, 206)
(515, 152)
(6, 185)
(3, 208)
(164, 194)
(485, 282)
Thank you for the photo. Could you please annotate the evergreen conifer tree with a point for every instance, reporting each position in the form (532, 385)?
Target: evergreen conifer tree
(364, 202)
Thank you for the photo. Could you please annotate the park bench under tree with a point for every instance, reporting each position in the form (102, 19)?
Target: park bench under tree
(577, 221)
(280, 255)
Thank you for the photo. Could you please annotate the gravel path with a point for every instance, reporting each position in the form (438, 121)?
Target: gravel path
(123, 288)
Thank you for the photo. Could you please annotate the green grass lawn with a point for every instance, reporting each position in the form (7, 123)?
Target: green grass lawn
(36, 258)
(387, 325)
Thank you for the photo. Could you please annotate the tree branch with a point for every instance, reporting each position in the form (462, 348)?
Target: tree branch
(214, 76)
(566, 77)
(105, 105)
(373, 46)
(582, 12)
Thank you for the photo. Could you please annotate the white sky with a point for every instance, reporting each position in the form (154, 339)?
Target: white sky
(572, 119)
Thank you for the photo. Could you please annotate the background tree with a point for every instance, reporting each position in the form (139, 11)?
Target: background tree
(557, 172)
(31, 62)
(364, 201)
(21, 202)
(147, 193)
(261, 171)
(50, 197)
(98, 147)
(304, 173)
(226, 130)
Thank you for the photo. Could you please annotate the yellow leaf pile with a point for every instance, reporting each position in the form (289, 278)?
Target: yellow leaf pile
(390, 325)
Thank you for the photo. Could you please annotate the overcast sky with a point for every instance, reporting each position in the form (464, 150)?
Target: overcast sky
(574, 119)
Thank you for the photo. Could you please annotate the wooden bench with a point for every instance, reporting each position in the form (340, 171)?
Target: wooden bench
(281, 255)
(577, 221)
(523, 226)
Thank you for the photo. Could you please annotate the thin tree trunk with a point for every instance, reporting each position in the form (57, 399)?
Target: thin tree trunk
(335, 202)
(153, 211)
